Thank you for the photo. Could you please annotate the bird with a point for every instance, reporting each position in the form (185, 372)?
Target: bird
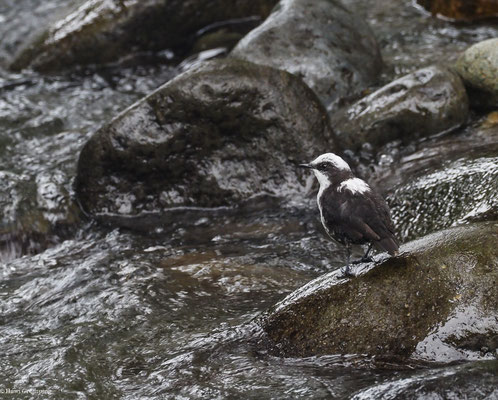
(350, 210)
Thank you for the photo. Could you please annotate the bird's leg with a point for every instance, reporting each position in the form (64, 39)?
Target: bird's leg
(346, 271)
(365, 258)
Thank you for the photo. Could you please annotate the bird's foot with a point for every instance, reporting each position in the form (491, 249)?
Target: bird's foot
(362, 260)
(346, 272)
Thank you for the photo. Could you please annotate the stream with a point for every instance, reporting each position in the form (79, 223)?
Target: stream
(88, 311)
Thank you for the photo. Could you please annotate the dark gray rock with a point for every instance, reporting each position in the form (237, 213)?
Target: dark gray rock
(423, 103)
(478, 67)
(215, 136)
(321, 41)
(102, 31)
(436, 301)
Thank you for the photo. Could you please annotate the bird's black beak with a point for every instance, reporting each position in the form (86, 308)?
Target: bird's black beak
(305, 166)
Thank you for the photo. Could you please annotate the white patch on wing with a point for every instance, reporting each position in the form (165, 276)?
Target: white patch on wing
(338, 162)
(354, 185)
(324, 184)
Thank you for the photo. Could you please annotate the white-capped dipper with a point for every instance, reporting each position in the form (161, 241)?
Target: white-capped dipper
(350, 210)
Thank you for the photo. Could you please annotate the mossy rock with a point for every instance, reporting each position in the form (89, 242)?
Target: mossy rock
(436, 301)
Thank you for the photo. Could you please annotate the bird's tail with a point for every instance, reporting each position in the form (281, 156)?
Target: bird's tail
(389, 244)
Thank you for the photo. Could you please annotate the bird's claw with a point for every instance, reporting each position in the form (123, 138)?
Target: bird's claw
(362, 260)
(346, 272)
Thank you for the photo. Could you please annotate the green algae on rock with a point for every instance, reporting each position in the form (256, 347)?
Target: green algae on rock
(215, 136)
(436, 301)
(478, 67)
(330, 47)
(102, 31)
(428, 101)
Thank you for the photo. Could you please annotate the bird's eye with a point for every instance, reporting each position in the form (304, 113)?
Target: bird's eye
(322, 166)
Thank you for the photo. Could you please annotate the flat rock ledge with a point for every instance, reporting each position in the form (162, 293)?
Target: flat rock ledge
(436, 301)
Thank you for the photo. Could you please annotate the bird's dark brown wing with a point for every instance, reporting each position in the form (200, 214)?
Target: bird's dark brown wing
(363, 218)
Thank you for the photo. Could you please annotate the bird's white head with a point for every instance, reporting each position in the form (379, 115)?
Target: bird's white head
(329, 168)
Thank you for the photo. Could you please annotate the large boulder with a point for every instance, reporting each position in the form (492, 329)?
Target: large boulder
(102, 31)
(423, 103)
(321, 41)
(216, 135)
(478, 67)
(436, 301)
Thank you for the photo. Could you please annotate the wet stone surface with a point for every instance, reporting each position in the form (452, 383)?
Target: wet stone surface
(330, 47)
(216, 136)
(461, 191)
(428, 101)
(460, 381)
(434, 302)
(103, 31)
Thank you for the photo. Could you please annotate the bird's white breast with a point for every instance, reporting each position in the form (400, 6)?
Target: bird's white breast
(324, 184)
(354, 185)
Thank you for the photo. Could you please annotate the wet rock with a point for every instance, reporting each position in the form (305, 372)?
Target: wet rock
(448, 180)
(466, 381)
(321, 41)
(35, 212)
(465, 10)
(463, 190)
(215, 136)
(37, 208)
(423, 103)
(478, 67)
(436, 301)
(397, 165)
(224, 34)
(102, 31)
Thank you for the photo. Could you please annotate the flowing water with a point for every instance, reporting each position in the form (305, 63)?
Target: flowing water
(94, 312)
